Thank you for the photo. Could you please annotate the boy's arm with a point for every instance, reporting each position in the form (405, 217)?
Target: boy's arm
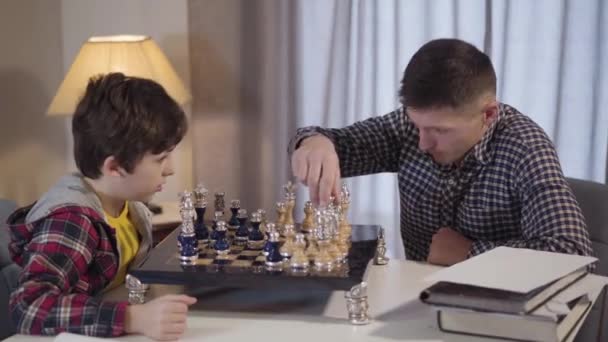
(369, 146)
(52, 294)
(551, 218)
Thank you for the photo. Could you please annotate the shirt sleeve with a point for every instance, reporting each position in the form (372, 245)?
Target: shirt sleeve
(551, 219)
(370, 146)
(52, 296)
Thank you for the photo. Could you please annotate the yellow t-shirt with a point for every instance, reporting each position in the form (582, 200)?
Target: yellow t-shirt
(128, 243)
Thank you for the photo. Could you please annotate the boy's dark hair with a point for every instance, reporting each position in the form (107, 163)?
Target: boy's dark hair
(124, 117)
(446, 73)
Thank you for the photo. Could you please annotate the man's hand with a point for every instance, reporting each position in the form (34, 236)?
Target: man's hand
(315, 164)
(448, 247)
(162, 319)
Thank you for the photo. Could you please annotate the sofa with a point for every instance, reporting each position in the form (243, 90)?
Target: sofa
(8, 270)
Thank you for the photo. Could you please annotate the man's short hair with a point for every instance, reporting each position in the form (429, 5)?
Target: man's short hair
(125, 117)
(446, 73)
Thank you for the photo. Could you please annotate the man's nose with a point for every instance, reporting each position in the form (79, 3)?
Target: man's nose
(425, 141)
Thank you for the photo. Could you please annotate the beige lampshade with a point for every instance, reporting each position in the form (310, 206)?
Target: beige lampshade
(132, 55)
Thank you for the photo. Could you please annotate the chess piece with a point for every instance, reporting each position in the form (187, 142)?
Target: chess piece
(323, 260)
(200, 206)
(344, 205)
(221, 245)
(242, 233)
(281, 208)
(308, 223)
(270, 228)
(219, 202)
(233, 223)
(187, 237)
(380, 257)
(217, 216)
(274, 258)
(263, 220)
(299, 260)
(290, 202)
(287, 249)
(255, 239)
(312, 250)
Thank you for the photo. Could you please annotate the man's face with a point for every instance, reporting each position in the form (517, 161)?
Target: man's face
(447, 134)
(148, 176)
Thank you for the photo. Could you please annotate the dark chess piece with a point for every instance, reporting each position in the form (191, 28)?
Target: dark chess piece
(270, 227)
(200, 206)
(217, 216)
(274, 258)
(256, 237)
(242, 233)
(233, 223)
(221, 245)
(202, 232)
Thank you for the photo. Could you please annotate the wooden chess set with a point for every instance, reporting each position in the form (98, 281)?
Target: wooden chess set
(322, 252)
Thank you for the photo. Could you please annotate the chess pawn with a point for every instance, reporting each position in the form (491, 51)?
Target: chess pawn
(281, 208)
(219, 202)
(324, 260)
(312, 250)
(308, 223)
(242, 233)
(233, 223)
(217, 216)
(270, 228)
(200, 206)
(263, 221)
(255, 239)
(221, 245)
(287, 249)
(186, 240)
(299, 260)
(274, 258)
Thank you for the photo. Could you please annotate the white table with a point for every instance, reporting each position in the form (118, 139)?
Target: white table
(242, 316)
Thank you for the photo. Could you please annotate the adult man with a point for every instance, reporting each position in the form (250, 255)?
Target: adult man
(473, 173)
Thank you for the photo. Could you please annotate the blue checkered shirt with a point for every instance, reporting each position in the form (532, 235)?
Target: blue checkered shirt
(509, 190)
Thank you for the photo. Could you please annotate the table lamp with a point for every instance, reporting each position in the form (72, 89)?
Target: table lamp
(137, 56)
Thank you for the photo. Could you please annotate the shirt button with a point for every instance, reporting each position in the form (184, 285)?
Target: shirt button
(451, 181)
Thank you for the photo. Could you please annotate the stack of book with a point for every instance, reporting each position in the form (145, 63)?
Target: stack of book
(512, 293)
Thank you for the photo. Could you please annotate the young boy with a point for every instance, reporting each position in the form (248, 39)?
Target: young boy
(82, 236)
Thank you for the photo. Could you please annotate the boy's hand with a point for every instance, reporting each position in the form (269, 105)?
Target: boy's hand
(162, 319)
(315, 164)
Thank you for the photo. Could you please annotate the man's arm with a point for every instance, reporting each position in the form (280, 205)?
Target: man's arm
(365, 147)
(50, 298)
(551, 218)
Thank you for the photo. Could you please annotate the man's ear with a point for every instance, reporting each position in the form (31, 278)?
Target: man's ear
(490, 112)
(111, 167)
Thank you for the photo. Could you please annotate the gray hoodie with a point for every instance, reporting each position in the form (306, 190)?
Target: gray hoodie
(72, 189)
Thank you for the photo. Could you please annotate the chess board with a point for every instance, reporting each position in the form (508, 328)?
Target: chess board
(245, 268)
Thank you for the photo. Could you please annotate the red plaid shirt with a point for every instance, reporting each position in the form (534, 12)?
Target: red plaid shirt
(68, 258)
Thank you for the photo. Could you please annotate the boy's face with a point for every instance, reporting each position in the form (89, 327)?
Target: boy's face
(147, 178)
